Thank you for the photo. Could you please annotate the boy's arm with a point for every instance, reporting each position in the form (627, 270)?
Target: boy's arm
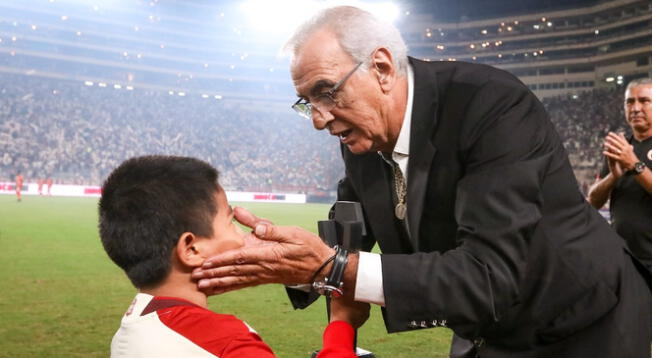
(338, 341)
(345, 314)
(247, 346)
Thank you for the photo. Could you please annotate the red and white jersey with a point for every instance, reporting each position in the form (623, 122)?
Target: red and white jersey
(171, 327)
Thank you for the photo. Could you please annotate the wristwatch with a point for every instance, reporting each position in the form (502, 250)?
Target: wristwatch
(639, 168)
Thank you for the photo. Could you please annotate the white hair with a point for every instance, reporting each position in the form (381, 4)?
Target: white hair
(638, 82)
(358, 32)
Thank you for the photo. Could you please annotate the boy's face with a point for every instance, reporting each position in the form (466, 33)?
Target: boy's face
(226, 234)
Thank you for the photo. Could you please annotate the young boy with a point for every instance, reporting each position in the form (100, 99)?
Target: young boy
(161, 217)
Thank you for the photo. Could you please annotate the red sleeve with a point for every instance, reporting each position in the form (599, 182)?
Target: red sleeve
(338, 341)
(247, 346)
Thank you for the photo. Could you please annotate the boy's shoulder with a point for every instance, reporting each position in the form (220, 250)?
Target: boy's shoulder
(216, 333)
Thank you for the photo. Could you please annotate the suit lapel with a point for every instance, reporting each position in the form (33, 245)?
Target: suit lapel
(377, 192)
(422, 151)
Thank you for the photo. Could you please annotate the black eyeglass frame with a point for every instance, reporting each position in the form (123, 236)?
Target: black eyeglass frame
(304, 109)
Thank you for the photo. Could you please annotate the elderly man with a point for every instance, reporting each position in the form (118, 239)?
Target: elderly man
(467, 190)
(626, 179)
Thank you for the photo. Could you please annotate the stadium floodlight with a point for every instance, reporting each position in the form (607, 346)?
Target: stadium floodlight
(101, 84)
(386, 11)
(117, 86)
(88, 83)
(277, 17)
(281, 17)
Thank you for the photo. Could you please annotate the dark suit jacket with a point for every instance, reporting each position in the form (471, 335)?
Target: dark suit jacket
(502, 246)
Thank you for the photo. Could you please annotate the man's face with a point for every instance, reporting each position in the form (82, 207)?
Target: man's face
(226, 234)
(357, 119)
(638, 108)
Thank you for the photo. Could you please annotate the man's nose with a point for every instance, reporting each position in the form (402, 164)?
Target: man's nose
(320, 120)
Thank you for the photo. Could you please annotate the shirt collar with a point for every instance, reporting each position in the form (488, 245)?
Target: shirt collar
(402, 146)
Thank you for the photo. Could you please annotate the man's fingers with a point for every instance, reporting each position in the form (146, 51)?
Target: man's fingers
(228, 271)
(218, 286)
(611, 155)
(240, 256)
(617, 139)
(246, 218)
(611, 141)
(284, 234)
(611, 147)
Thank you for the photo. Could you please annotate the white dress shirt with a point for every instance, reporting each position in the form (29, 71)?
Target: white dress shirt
(369, 279)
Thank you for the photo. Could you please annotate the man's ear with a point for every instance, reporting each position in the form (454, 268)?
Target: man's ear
(383, 66)
(188, 250)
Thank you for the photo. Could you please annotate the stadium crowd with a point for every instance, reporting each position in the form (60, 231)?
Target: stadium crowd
(583, 122)
(77, 134)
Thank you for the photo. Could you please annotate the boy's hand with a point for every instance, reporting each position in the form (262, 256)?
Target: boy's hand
(290, 256)
(347, 310)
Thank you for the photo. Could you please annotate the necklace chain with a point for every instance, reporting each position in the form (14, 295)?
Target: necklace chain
(401, 191)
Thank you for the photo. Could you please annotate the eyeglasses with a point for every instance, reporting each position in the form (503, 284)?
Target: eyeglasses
(323, 102)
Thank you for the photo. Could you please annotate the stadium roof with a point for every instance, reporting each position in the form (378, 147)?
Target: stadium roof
(459, 10)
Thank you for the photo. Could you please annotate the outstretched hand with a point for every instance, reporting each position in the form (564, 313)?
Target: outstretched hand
(274, 254)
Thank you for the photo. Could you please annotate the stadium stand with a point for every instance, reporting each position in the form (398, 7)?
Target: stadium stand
(556, 51)
(78, 133)
(84, 86)
(583, 121)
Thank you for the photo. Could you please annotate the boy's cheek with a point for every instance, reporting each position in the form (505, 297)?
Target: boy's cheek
(234, 242)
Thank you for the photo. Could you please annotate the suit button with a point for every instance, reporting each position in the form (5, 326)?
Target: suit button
(413, 324)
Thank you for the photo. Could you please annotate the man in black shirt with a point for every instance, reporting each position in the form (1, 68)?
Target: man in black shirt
(627, 179)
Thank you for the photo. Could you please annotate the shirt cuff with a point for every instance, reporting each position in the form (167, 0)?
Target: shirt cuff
(369, 279)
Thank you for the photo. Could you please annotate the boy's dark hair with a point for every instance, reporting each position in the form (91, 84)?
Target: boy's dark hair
(147, 203)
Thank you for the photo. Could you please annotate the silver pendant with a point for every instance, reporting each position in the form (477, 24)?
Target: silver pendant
(400, 211)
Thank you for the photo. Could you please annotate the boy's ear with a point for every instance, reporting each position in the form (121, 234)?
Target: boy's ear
(188, 250)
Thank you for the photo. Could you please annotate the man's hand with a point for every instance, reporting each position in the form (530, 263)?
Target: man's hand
(347, 310)
(614, 168)
(287, 255)
(618, 149)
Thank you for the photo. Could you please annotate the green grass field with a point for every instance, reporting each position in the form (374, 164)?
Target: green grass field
(61, 296)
